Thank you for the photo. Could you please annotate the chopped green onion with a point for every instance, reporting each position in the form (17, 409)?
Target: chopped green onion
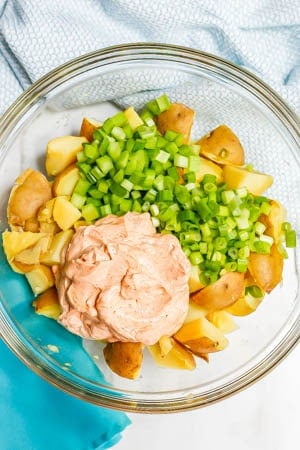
(254, 291)
(290, 238)
(181, 160)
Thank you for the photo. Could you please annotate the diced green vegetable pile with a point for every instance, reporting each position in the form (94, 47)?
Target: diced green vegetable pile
(138, 170)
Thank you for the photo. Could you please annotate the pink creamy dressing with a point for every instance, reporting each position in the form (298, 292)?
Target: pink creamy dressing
(122, 281)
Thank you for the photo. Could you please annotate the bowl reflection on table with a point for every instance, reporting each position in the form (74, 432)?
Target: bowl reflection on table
(97, 85)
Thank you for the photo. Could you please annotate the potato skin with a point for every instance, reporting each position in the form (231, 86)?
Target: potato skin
(222, 146)
(124, 358)
(225, 291)
(30, 192)
(88, 127)
(177, 118)
(266, 269)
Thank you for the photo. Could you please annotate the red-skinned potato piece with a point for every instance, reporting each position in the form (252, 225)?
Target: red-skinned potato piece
(225, 291)
(124, 358)
(31, 190)
(266, 269)
(88, 127)
(177, 118)
(222, 146)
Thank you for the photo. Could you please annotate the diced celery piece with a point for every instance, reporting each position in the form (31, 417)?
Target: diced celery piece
(118, 176)
(78, 200)
(82, 186)
(90, 212)
(114, 150)
(125, 205)
(95, 193)
(146, 132)
(118, 133)
(126, 184)
(105, 164)
(147, 118)
(122, 162)
(108, 125)
(118, 190)
(105, 210)
(91, 151)
(119, 119)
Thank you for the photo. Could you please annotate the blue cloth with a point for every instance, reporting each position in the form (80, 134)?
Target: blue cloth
(37, 416)
(35, 37)
(261, 35)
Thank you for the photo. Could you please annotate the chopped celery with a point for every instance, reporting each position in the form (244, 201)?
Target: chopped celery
(90, 212)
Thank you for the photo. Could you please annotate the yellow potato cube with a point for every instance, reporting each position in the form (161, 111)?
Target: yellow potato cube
(59, 241)
(65, 181)
(33, 254)
(194, 312)
(178, 357)
(15, 242)
(201, 336)
(222, 320)
(61, 152)
(40, 279)
(194, 280)
(65, 213)
(208, 167)
(133, 118)
(255, 182)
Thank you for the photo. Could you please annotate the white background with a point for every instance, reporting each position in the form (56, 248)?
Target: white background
(263, 417)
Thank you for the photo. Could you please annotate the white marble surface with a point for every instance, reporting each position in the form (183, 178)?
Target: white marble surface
(262, 417)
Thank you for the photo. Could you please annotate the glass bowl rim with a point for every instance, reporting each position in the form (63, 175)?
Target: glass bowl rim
(125, 53)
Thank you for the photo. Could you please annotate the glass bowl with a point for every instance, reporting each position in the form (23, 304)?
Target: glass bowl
(97, 85)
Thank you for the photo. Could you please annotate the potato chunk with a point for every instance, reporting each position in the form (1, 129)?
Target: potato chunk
(225, 291)
(15, 242)
(222, 320)
(33, 254)
(88, 127)
(222, 146)
(177, 118)
(64, 213)
(30, 192)
(201, 336)
(208, 167)
(53, 255)
(65, 181)
(61, 152)
(40, 279)
(133, 118)
(47, 304)
(255, 182)
(266, 269)
(124, 358)
(274, 220)
(244, 305)
(171, 354)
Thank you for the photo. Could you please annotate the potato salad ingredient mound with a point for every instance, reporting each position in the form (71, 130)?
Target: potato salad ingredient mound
(121, 281)
(146, 239)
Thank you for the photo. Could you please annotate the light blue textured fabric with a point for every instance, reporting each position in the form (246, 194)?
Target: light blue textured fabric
(262, 35)
(35, 37)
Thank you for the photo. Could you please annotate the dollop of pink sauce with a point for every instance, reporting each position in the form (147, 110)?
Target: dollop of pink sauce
(120, 280)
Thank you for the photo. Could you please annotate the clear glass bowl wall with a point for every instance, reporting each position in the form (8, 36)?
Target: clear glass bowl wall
(96, 85)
